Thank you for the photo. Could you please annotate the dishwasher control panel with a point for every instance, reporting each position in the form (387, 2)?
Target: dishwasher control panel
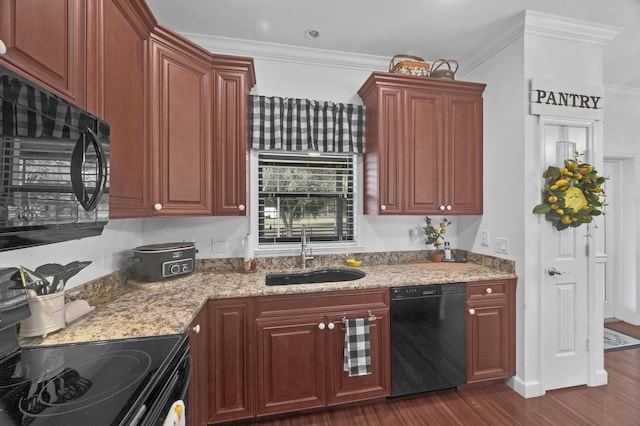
(427, 290)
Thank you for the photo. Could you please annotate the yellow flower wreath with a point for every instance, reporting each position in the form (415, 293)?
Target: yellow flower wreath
(571, 194)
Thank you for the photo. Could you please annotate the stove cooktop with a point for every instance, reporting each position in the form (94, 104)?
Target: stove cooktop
(92, 383)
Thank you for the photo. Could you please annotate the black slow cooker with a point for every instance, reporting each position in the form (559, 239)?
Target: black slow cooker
(157, 262)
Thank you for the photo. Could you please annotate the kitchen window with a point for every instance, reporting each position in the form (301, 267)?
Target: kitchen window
(315, 190)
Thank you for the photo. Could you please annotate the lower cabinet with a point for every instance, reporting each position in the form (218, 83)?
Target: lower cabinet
(490, 330)
(266, 355)
(231, 366)
(197, 412)
(300, 350)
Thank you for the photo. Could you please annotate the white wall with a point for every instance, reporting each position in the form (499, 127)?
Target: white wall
(108, 252)
(621, 137)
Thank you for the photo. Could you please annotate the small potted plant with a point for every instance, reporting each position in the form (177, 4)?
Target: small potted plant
(435, 234)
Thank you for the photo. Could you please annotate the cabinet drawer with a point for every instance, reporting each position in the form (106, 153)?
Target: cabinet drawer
(487, 289)
(324, 302)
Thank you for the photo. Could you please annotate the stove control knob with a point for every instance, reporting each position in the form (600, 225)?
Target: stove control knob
(175, 269)
(185, 268)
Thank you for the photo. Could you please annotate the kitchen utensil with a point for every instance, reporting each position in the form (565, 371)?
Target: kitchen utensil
(58, 274)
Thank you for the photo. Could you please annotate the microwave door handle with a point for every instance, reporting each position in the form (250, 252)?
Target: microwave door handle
(77, 161)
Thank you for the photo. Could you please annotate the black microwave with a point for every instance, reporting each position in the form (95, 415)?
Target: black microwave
(54, 167)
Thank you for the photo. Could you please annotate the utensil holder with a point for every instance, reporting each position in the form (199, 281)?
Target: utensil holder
(47, 315)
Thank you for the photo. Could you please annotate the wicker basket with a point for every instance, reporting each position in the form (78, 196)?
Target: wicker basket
(414, 66)
(439, 70)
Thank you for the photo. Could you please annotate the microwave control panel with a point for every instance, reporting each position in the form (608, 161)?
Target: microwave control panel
(177, 267)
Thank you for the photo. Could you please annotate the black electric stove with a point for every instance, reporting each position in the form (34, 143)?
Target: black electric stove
(113, 382)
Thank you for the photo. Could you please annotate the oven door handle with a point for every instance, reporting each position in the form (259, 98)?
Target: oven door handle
(77, 162)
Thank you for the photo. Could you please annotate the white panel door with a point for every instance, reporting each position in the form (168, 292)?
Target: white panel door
(564, 296)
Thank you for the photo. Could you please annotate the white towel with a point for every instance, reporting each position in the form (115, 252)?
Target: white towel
(357, 347)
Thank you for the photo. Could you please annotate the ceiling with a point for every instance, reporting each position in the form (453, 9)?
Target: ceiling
(430, 29)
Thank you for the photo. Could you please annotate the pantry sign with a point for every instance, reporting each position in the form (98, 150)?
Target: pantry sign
(549, 97)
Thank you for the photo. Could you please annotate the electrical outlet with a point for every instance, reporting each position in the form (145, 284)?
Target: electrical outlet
(218, 246)
(502, 245)
(484, 238)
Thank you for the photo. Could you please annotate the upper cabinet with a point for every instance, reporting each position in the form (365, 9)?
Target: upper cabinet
(177, 113)
(182, 125)
(424, 145)
(46, 41)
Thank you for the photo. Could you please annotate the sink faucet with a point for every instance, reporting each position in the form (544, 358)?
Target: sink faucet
(304, 257)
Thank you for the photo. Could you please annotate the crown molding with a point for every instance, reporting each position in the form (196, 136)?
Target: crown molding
(622, 92)
(561, 28)
(288, 53)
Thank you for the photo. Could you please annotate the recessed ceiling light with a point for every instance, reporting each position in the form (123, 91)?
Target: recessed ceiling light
(312, 33)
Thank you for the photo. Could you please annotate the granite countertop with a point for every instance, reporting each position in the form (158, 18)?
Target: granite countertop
(168, 307)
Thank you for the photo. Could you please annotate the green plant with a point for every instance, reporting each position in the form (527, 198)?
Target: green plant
(571, 194)
(436, 233)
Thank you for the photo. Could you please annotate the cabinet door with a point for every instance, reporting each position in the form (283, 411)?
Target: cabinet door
(231, 145)
(383, 163)
(290, 364)
(340, 387)
(198, 387)
(424, 150)
(45, 40)
(490, 330)
(120, 34)
(463, 184)
(181, 131)
(231, 391)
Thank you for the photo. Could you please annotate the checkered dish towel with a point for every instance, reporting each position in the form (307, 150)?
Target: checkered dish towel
(357, 350)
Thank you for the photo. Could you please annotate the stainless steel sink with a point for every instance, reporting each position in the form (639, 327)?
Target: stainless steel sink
(317, 276)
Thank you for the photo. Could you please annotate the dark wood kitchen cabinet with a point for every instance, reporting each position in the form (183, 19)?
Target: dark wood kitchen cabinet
(198, 410)
(181, 127)
(231, 369)
(119, 92)
(233, 80)
(177, 112)
(46, 41)
(490, 330)
(300, 344)
(424, 145)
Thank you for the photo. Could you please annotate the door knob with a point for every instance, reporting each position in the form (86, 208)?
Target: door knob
(553, 271)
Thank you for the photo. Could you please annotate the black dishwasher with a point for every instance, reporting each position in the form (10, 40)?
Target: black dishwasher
(427, 338)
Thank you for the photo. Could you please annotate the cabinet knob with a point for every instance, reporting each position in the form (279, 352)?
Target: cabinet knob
(321, 326)
(383, 207)
(3, 48)
(448, 207)
(241, 207)
(157, 207)
(488, 290)
(196, 328)
(331, 326)
(442, 208)
(472, 311)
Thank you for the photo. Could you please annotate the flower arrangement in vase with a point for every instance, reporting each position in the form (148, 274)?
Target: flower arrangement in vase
(435, 234)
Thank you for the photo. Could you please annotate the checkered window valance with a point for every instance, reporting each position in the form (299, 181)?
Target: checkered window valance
(303, 125)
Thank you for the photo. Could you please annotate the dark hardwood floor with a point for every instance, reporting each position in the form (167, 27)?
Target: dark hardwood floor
(617, 403)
